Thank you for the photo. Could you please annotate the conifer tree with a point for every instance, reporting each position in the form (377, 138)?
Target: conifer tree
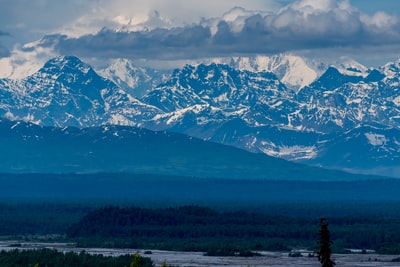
(137, 260)
(324, 254)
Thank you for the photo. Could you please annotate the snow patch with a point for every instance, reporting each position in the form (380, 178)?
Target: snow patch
(338, 122)
(10, 116)
(221, 98)
(396, 101)
(177, 115)
(118, 119)
(15, 125)
(295, 152)
(276, 104)
(376, 139)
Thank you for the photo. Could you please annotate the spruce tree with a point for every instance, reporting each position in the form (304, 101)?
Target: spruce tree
(324, 254)
(137, 260)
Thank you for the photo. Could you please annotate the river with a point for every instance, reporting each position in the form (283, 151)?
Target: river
(197, 259)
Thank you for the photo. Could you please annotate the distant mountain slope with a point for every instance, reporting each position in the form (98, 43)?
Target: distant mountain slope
(31, 148)
(362, 148)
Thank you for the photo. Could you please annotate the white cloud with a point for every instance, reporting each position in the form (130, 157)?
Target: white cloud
(318, 17)
(380, 20)
(182, 30)
(25, 60)
(308, 7)
(138, 14)
(302, 25)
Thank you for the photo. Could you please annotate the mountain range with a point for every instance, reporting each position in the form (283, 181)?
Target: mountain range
(344, 117)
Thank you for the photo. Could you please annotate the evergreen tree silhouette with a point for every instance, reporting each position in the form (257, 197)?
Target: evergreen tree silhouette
(324, 254)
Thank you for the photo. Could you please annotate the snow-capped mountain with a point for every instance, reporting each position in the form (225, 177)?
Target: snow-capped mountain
(217, 85)
(345, 107)
(219, 103)
(350, 67)
(137, 81)
(391, 74)
(292, 70)
(344, 102)
(255, 111)
(68, 92)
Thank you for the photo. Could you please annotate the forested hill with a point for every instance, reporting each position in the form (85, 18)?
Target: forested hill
(37, 149)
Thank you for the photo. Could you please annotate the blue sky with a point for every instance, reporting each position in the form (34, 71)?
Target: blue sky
(372, 6)
(368, 30)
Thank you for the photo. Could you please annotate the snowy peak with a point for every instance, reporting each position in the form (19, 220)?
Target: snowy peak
(350, 67)
(65, 64)
(292, 70)
(68, 92)
(120, 67)
(346, 72)
(392, 71)
(65, 77)
(295, 71)
(133, 79)
(121, 71)
(217, 85)
(68, 70)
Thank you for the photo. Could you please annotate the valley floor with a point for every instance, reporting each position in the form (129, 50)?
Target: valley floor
(270, 259)
(197, 259)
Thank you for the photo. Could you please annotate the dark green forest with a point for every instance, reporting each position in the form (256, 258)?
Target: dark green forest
(219, 229)
(53, 258)
(198, 228)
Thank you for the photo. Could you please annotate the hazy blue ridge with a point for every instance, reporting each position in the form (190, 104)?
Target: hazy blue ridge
(35, 149)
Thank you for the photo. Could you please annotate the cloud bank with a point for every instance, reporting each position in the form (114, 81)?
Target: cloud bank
(302, 25)
(169, 34)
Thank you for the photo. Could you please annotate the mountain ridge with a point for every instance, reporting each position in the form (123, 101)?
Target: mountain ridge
(127, 149)
(254, 111)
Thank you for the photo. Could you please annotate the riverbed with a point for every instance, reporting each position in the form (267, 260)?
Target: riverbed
(198, 259)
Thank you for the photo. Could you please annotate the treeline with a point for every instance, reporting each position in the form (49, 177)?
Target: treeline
(193, 228)
(203, 229)
(190, 228)
(53, 258)
(29, 217)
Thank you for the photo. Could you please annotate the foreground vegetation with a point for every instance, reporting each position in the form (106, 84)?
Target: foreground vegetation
(53, 258)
